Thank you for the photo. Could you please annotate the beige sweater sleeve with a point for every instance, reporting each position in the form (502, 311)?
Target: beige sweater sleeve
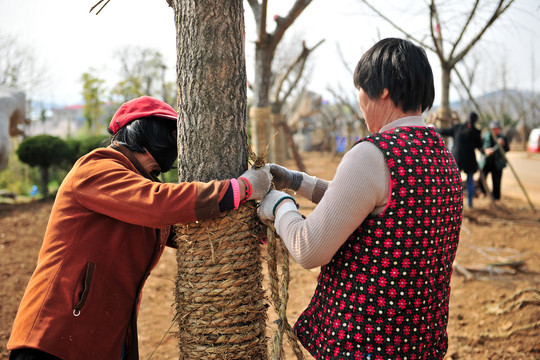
(360, 187)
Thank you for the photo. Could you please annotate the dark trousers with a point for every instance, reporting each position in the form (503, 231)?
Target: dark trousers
(496, 177)
(470, 188)
(31, 354)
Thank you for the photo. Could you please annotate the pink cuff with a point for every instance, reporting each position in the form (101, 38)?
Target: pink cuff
(236, 192)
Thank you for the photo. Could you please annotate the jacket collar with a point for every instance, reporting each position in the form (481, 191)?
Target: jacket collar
(129, 154)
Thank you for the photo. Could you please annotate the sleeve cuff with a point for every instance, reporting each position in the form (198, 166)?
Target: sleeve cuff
(319, 190)
(280, 211)
(307, 185)
(236, 192)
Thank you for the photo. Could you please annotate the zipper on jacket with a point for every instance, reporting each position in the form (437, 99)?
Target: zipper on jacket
(86, 277)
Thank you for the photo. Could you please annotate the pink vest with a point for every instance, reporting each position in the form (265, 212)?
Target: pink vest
(385, 293)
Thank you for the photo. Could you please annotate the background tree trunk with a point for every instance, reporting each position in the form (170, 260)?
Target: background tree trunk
(211, 74)
(264, 55)
(44, 181)
(263, 72)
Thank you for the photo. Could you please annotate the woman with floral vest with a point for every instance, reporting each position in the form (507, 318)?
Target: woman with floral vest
(385, 229)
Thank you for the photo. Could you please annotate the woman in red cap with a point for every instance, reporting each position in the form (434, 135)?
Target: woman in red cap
(107, 230)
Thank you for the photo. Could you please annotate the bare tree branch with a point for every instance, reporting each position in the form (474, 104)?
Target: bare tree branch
(282, 24)
(464, 28)
(343, 61)
(256, 9)
(262, 21)
(468, 90)
(301, 59)
(397, 27)
(501, 8)
(437, 39)
(343, 101)
(97, 4)
(169, 2)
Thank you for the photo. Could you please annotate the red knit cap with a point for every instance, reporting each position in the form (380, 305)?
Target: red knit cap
(139, 108)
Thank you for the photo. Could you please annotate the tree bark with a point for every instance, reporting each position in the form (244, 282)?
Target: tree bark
(444, 109)
(212, 100)
(263, 73)
(219, 296)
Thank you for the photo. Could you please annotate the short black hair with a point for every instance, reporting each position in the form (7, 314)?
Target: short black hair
(473, 117)
(401, 67)
(138, 134)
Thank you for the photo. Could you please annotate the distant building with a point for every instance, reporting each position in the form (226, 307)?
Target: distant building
(66, 121)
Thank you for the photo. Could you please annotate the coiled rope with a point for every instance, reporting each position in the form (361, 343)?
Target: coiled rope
(280, 295)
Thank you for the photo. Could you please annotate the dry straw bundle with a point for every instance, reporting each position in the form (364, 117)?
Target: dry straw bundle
(219, 296)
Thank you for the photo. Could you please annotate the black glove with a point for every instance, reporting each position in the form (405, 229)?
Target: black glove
(284, 178)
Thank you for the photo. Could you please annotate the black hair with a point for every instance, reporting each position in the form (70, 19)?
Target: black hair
(473, 117)
(401, 67)
(140, 133)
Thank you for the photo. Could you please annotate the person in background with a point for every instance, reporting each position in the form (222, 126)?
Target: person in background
(108, 228)
(495, 146)
(467, 138)
(385, 230)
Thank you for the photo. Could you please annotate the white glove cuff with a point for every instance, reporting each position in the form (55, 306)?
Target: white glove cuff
(307, 186)
(280, 211)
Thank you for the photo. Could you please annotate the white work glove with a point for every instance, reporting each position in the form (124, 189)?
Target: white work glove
(267, 210)
(259, 180)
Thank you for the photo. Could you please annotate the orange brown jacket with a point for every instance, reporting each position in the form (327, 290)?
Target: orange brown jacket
(107, 230)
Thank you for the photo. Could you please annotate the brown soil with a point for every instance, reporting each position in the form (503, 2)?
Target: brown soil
(490, 237)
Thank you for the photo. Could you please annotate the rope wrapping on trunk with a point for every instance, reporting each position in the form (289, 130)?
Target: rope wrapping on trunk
(219, 297)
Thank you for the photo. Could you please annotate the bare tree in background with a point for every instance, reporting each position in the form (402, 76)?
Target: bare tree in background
(265, 48)
(346, 110)
(451, 36)
(515, 109)
(288, 81)
(142, 72)
(346, 113)
(19, 67)
(93, 94)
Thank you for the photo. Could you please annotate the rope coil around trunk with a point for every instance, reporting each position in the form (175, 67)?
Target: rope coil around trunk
(219, 296)
(280, 295)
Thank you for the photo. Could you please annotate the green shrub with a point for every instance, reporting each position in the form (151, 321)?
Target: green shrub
(83, 145)
(43, 152)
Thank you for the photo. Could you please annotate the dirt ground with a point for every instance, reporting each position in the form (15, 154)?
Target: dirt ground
(498, 271)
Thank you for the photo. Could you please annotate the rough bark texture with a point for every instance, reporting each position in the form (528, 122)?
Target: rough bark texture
(212, 136)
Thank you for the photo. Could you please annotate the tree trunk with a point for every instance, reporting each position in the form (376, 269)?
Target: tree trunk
(260, 115)
(263, 73)
(444, 109)
(211, 74)
(44, 175)
(219, 298)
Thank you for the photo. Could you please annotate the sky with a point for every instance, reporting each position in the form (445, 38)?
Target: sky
(68, 40)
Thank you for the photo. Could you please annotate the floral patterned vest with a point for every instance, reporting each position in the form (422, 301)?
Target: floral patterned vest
(385, 293)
